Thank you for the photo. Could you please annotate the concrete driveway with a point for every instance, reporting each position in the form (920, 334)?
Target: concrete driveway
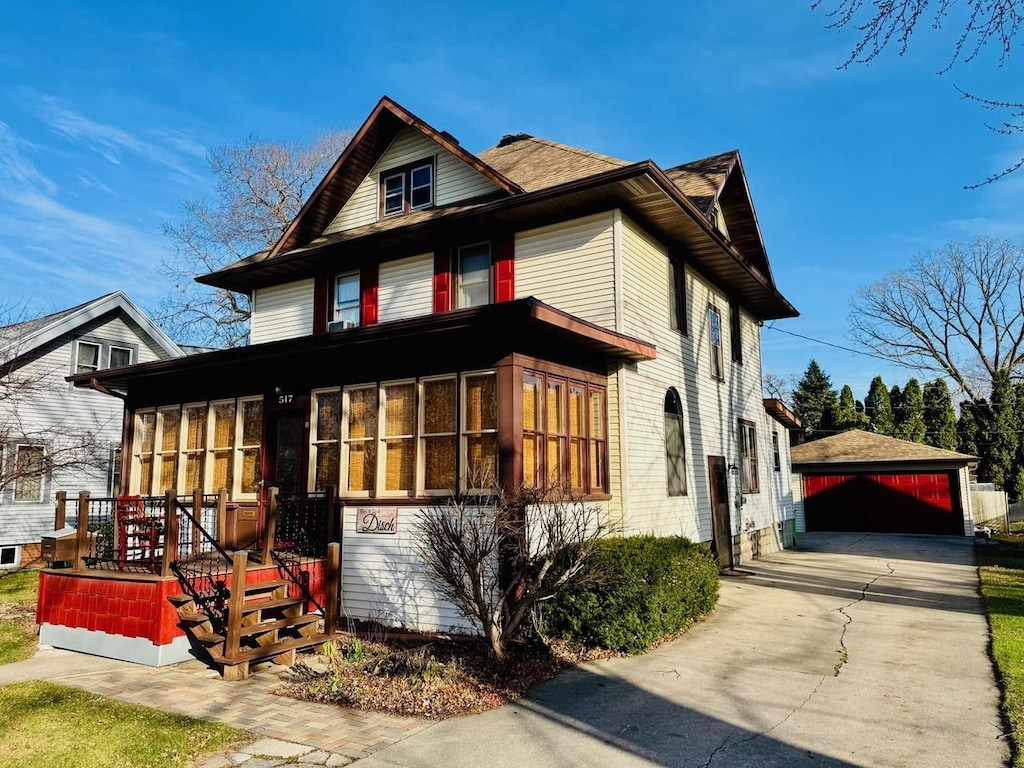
(851, 650)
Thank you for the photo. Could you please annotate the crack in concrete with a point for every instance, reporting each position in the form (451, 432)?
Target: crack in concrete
(844, 657)
(844, 652)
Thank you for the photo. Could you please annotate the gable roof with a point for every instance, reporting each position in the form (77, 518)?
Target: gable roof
(360, 155)
(859, 447)
(702, 180)
(538, 163)
(18, 339)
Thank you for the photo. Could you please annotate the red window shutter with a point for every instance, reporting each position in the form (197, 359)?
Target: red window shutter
(321, 303)
(442, 281)
(368, 281)
(504, 260)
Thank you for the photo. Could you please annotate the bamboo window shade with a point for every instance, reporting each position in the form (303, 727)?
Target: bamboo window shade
(531, 426)
(252, 433)
(169, 430)
(555, 431)
(577, 438)
(195, 446)
(328, 426)
(481, 408)
(399, 432)
(362, 432)
(439, 433)
(223, 444)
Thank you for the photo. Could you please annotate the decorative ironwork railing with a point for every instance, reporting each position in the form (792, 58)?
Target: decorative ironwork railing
(202, 565)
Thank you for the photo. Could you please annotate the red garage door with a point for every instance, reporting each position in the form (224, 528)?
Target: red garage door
(895, 502)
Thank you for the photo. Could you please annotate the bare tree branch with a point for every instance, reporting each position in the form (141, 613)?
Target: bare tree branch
(956, 312)
(260, 187)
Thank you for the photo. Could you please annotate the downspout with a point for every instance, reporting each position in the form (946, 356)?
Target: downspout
(94, 384)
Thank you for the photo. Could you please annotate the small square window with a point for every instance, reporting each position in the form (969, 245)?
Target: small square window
(406, 189)
(120, 357)
(8, 557)
(87, 357)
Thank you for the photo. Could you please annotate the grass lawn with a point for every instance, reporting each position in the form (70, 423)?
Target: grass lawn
(43, 725)
(1002, 584)
(17, 614)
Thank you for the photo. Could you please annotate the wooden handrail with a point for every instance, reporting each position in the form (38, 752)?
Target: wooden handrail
(60, 513)
(222, 516)
(332, 578)
(170, 550)
(236, 602)
(270, 525)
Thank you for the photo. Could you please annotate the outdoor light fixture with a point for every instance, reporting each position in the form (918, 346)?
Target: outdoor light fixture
(733, 469)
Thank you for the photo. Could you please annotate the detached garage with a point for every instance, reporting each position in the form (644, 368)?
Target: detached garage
(862, 482)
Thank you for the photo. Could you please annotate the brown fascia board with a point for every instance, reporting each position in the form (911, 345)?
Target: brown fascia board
(738, 163)
(615, 345)
(386, 104)
(778, 411)
(645, 167)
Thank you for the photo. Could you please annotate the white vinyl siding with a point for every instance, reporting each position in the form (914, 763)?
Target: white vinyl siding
(59, 406)
(282, 312)
(570, 266)
(406, 288)
(454, 180)
(383, 578)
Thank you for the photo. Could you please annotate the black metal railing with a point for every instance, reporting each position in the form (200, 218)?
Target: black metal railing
(123, 534)
(202, 565)
(303, 524)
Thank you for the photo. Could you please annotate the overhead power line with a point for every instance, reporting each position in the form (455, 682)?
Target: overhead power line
(771, 326)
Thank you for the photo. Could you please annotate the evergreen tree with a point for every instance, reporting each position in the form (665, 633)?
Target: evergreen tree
(814, 401)
(1016, 484)
(970, 429)
(912, 416)
(896, 403)
(850, 414)
(879, 409)
(1003, 438)
(939, 416)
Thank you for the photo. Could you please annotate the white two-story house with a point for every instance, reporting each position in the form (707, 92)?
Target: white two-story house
(54, 436)
(533, 314)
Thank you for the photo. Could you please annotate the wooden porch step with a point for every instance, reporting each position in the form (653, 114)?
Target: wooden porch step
(267, 652)
(297, 623)
(258, 587)
(263, 605)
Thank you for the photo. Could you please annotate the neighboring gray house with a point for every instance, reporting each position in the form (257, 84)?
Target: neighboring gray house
(54, 436)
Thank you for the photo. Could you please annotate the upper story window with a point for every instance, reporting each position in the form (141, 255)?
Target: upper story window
(474, 275)
(715, 338)
(776, 458)
(735, 332)
(91, 355)
(749, 482)
(346, 302)
(407, 189)
(677, 295)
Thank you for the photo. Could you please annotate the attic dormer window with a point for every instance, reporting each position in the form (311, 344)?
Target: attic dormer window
(407, 189)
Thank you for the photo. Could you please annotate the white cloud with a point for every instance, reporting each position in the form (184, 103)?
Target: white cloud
(16, 169)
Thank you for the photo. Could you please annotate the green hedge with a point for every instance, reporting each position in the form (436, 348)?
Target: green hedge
(641, 589)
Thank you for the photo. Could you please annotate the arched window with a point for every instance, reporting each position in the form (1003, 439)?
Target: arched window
(675, 453)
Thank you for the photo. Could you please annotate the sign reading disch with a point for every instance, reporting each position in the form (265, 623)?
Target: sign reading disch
(377, 520)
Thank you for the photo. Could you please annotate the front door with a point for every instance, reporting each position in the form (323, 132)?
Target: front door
(286, 445)
(721, 525)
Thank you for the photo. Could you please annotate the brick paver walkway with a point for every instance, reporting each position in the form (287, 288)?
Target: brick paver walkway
(193, 689)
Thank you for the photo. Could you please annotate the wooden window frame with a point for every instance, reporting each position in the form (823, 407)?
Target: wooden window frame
(459, 295)
(346, 441)
(465, 433)
(336, 308)
(383, 437)
(595, 478)
(405, 173)
(421, 449)
(750, 480)
(138, 454)
(41, 496)
(159, 452)
(316, 445)
(717, 356)
(238, 460)
(184, 453)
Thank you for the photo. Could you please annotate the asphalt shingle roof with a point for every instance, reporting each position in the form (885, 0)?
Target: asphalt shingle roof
(860, 447)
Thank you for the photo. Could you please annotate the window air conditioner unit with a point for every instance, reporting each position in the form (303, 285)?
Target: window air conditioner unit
(340, 325)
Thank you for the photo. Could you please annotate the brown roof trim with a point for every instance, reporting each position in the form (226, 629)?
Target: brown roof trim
(530, 316)
(386, 105)
(778, 411)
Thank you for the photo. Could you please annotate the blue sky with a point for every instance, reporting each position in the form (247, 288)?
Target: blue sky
(106, 111)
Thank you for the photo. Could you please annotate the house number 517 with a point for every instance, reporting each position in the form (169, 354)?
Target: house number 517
(284, 399)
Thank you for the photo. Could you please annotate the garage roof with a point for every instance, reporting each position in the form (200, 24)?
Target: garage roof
(860, 447)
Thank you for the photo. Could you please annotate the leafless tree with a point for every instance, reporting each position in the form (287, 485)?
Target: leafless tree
(496, 556)
(47, 446)
(981, 23)
(775, 386)
(260, 187)
(957, 312)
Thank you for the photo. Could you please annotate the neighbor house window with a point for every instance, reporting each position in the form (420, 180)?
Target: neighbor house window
(474, 275)
(30, 466)
(677, 295)
(715, 337)
(407, 189)
(120, 356)
(10, 557)
(776, 460)
(564, 440)
(346, 301)
(87, 357)
(204, 446)
(675, 453)
(748, 457)
(114, 475)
